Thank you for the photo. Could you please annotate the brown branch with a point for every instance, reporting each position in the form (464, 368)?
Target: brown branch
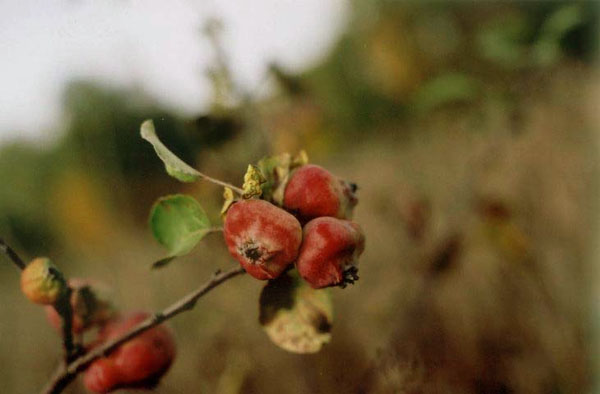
(62, 307)
(66, 373)
(12, 255)
(65, 311)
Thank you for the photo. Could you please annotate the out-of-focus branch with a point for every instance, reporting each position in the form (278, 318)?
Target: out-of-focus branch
(66, 373)
(12, 255)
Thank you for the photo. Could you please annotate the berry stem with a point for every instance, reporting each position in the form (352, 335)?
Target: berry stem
(63, 307)
(220, 183)
(67, 372)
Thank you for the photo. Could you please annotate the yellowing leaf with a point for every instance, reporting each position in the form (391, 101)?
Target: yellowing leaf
(253, 179)
(175, 167)
(295, 316)
(228, 198)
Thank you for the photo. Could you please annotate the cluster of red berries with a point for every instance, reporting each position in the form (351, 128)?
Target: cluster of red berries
(312, 229)
(309, 226)
(138, 363)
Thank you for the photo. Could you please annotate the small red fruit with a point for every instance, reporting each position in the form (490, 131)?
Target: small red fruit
(329, 252)
(101, 376)
(138, 363)
(312, 192)
(265, 239)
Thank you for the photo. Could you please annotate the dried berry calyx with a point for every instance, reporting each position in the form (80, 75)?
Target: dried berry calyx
(350, 275)
(42, 282)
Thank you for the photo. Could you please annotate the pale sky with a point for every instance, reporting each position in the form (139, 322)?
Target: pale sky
(154, 44)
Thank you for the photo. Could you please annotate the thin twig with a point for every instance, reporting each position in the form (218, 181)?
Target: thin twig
(12, 255)
(65, 311)
(236, 189)
(62, 307)
(66, 374)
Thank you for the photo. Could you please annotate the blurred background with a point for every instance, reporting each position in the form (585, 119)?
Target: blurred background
(470, 128)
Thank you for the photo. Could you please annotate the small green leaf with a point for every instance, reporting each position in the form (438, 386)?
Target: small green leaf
(504, 41)
(175, 167)
(178, 222)
(546, 50)
(295, 316)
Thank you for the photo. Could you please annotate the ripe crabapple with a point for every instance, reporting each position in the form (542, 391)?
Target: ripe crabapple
(89, 303)
(41, 282)
(138, 363)
(265, 239)
(329, 252)
(102, 376)
(312, 192)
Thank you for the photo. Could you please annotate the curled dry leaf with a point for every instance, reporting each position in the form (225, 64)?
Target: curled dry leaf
(295, 316)
(228, 199)
(253, 179)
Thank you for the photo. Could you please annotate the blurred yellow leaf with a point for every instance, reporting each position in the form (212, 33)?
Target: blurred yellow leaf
(295, 316)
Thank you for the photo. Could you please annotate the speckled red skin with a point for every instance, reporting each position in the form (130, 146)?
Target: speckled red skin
(265, 239)
(330, 251)
(138, 363)
(312, 192)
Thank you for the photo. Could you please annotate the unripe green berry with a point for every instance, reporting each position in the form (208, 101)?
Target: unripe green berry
(41, 282)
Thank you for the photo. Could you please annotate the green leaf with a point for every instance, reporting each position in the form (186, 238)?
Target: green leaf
(444, 89)
(175, 167)
(546, 50)
(504, 41)
(295, 316)
(178, 222)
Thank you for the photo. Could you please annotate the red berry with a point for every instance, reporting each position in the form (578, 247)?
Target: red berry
(101, 376)
(265, 239)
(138, 363)
(312, 192)
(329, 252)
